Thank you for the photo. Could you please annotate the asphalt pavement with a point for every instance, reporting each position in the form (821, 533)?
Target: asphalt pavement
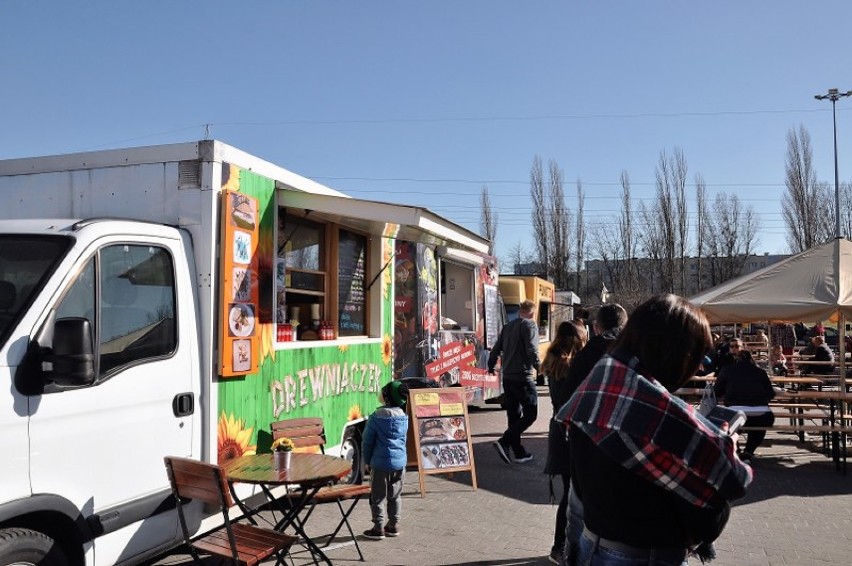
(797, 512)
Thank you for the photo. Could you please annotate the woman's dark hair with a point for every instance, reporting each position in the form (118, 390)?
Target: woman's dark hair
(570, 339)
(744, 356)
(670, 337)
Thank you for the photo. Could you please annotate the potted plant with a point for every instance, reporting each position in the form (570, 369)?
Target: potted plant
(282, 450)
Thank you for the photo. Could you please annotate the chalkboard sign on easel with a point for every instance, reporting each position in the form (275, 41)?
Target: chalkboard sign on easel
(352, 300)
(440, 433)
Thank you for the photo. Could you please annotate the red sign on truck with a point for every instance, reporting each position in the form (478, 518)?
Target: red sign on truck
(453, 355)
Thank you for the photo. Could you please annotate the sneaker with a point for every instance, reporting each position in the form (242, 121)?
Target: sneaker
(555, 557)
(503, 451)
(746, 457)
(523, 458)
(376, 533)
(391, 530)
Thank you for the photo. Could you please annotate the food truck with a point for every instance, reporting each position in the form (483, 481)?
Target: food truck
(447, 316)
(176, 300)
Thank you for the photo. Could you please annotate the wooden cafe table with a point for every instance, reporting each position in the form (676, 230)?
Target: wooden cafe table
(305, 476)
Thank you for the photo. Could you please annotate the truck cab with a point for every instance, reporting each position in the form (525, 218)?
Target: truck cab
(99, 341)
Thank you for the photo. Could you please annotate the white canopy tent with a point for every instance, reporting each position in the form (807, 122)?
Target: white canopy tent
(814, 285)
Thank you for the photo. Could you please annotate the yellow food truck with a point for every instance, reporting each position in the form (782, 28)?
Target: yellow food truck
(516, 289)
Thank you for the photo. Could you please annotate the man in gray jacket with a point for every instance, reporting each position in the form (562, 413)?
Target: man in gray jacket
(518, 345)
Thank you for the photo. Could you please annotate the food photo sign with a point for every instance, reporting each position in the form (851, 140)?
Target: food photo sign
(238, 344)
(440, 432)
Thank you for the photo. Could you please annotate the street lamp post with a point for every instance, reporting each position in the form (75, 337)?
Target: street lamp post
(834, 95)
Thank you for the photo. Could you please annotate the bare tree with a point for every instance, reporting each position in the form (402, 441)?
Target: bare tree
(702, 233)
(734, 238)
(517, 256)
(807, 203)
(541, 234)
(627, 233)
(671, 204)
(487, 220)
(846, 209)
(580, 230)
(679, 185)
(653, 242)
(560, 220)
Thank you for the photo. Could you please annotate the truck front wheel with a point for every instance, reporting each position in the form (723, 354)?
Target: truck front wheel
(351, 450)
(25, 547)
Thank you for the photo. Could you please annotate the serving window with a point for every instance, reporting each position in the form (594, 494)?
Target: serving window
(321, 282)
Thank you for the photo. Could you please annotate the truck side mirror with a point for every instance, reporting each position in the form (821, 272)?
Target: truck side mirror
(59, 353)
(72, 354)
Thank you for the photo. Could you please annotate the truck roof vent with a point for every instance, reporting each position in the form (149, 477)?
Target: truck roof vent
(189, 174)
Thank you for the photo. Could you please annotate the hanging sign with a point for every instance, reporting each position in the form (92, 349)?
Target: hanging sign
(238, 314)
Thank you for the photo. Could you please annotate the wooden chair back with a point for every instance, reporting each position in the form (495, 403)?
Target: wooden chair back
(305, 432)
(192, 479)
(244, 545)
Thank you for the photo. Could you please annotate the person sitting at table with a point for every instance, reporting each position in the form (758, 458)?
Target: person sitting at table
(726, 353)
(778, 361)
(762, 338)
(822, 353)
(383, 448)
(745, 387)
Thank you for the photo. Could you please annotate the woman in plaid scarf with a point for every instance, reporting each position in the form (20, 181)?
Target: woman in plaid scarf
(654, 476)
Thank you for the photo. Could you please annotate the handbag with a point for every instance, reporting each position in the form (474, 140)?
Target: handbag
(708, 400)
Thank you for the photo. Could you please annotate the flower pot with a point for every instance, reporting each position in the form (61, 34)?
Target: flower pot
(281, 460)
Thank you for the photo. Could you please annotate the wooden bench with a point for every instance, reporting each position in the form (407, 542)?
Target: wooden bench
(799, 428)
(837, 439)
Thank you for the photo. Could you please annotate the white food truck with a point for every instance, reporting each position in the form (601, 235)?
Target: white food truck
(176, 300)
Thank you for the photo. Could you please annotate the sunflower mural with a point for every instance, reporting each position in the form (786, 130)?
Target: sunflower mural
(233, 438)
(387, 349)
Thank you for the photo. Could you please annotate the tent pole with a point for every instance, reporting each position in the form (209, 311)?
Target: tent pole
(841, 348)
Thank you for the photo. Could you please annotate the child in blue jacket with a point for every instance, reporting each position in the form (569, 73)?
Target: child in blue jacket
(383, 449)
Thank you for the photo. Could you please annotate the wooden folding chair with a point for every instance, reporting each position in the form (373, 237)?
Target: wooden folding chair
(244, 544)
(309, 432)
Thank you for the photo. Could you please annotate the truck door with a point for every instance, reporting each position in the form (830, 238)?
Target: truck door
(102, 446)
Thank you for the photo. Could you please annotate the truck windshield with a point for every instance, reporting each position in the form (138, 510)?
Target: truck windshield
(26, 261)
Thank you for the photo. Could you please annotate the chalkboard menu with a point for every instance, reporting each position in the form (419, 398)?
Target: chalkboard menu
(492, 316)
(351, 300)
(440, 433)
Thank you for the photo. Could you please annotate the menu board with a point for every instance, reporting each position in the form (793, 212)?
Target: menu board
(441, 433)
(492, 319)
(238, 335)
(351, 299)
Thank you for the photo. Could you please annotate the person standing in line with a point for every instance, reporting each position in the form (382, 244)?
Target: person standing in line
(517, 347)
(609, 321)
(383, 448)
(570, 339)
(655, 477)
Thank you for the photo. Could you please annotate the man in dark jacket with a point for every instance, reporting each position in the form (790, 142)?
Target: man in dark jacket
(609, 321)
(518, 346)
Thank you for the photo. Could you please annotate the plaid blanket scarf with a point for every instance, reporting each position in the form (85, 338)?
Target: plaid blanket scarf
(654, 434)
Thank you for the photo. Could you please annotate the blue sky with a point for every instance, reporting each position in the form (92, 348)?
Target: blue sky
(425, 103)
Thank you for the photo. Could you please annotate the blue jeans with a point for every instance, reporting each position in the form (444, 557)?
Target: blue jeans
(520, 399)
(591, 554)
(574, 529)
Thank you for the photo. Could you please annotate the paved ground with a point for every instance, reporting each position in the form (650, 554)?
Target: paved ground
(797, 512)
